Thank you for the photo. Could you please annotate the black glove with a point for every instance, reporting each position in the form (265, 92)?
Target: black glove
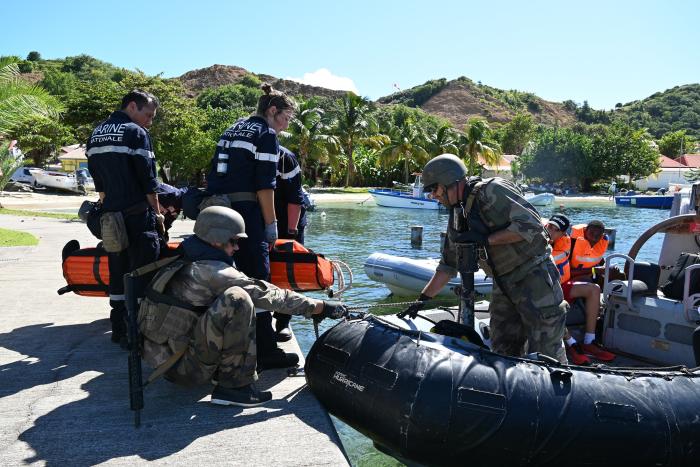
(332, 309)
(472, 236)
(414, 308)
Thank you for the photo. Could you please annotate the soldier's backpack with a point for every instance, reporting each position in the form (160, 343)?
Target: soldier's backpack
(673, 287)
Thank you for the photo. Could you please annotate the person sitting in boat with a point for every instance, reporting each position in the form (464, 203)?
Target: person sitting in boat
(589, 242)
(557, 227)
(203, 308)
(528, 310)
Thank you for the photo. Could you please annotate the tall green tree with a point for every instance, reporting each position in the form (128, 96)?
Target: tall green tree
(675, 143)
(406, 146)
(40, 138)
(442, 140)
(354, 124)
(514, 135)
(309, 137)
(476, 142)
(20, 100)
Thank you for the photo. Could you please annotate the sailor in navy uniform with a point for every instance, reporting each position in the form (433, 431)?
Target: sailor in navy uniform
(122, 165)
(244, 170)
(291, 217)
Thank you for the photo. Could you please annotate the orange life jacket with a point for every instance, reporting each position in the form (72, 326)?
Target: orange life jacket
(292, 266)
(295, 267)
(583, 255)
(561, 249)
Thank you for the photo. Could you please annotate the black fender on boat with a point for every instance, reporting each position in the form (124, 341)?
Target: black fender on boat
(435, 400)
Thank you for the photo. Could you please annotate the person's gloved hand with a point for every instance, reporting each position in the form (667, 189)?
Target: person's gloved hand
(412, 310)
(480, 238)
(271, 232)
(332, 309)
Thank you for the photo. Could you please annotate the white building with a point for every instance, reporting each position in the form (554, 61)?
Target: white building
(671, 171)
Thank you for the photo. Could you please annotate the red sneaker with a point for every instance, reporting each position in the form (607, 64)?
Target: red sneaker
(575, 355)
(597, 351)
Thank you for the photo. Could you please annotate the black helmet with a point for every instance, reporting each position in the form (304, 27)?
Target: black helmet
(444, 169)
(218, 224)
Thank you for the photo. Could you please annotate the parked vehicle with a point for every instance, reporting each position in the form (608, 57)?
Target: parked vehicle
(25, 175)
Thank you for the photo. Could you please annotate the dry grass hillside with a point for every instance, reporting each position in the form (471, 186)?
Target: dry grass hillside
(196, 81)
(460, 100)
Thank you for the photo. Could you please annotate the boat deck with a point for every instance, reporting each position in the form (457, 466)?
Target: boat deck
(64, 391)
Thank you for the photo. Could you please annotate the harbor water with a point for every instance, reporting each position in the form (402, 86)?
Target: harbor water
(350, 232)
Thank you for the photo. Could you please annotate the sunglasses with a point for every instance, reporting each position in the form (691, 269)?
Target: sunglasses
(233, 242)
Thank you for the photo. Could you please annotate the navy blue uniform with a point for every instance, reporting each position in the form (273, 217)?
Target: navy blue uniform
(245, 162)
(122, 164)
(289, 191)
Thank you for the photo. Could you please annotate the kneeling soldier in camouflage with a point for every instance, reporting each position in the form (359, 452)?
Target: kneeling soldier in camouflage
(199, 312)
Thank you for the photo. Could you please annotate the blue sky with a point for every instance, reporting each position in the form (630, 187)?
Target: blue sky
(601, 51)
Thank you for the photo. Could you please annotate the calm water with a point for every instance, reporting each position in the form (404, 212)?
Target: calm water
(351, 232)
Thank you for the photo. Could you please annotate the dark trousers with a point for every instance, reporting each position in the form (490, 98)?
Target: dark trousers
(144, 248)
(282, 320)
(253, 260)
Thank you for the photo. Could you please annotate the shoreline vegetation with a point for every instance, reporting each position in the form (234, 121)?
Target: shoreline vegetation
(342, 139)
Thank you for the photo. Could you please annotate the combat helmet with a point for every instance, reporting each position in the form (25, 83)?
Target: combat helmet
(444, 169)
(218, 224)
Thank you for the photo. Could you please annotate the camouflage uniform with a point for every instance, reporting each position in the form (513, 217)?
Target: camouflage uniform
(218, 337)
(528, 305)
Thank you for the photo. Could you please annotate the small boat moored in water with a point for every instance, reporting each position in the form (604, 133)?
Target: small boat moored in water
(539, 199)
(407, 276)
(414, 199)
(432, 394)
(645, 201)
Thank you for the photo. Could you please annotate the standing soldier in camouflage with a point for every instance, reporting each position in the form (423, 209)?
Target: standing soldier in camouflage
(198, 318)
(528, 311)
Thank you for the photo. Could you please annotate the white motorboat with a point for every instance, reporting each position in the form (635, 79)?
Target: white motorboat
(407, 277)
(78, 182)
(539, 199)
(643, 318)
(413, 199)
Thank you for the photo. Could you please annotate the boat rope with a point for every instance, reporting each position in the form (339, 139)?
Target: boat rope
(394, 304)
(337, 267)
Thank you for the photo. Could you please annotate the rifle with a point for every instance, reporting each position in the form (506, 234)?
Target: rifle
(135, 372)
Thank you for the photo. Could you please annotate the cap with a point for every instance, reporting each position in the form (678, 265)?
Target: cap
(560, 221)
(596, 223)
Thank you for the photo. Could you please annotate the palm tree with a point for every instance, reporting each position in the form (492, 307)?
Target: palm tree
(309, 136)
(355, 125)
(442, 141)
(407, 145)
(475, 143)
(19, 101)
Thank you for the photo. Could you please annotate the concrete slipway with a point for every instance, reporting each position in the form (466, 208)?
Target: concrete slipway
(64, 390)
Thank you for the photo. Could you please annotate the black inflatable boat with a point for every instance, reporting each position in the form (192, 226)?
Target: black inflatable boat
(429, 399)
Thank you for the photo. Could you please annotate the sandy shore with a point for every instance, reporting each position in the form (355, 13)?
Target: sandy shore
(54, 201)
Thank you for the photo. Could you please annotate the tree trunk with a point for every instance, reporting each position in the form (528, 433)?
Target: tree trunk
(351, 165)
(405, 169)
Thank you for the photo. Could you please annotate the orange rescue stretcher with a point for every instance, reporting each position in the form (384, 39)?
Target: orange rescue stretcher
(292, 266)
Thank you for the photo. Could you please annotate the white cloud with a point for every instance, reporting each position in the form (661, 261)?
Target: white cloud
(324, 78)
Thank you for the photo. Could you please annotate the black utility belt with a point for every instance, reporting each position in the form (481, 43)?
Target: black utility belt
(137, 208)
(242, 196)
